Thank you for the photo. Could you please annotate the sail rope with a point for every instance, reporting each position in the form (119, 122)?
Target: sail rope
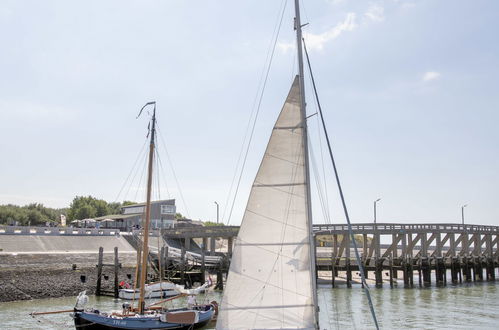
(259, 96)
(131, 170)
(173, 171)
(350, 231)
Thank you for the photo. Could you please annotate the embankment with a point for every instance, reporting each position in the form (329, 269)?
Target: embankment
(37, 266)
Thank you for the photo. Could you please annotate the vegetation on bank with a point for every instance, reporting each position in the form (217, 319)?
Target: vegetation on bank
(30, 215)
(36, 214)
(82, 207)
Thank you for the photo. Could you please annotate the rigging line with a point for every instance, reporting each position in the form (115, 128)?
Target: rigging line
(321, 148)
(253, 108)
(140, 181)
(163, 175)
(319, 186)
(350, 231)
(137, 170)
(174, 173)
(258, 110)
(131, 170)
(262, 75)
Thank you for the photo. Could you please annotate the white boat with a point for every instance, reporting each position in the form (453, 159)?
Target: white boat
(153, 290)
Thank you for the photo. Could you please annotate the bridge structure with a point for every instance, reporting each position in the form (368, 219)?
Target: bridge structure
(428, 250)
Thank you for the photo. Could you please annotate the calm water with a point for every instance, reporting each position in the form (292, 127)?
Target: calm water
(460, 307)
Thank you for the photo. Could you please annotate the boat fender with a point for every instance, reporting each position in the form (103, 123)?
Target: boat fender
(81, 300)
(215, 307)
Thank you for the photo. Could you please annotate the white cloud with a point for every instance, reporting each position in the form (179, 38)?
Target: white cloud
(375, 13)
(335, 2)
(317, 41)
(431, 75)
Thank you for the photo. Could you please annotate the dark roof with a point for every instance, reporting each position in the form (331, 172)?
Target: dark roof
(116, 216)
(152, 202)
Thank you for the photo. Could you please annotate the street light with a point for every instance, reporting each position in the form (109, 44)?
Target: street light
(375, 209)
(462, 212)
(218, 213)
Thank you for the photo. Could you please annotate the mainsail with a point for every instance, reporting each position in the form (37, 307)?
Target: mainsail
(270, 283)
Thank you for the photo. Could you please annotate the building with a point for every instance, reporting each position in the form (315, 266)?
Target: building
(131, 217)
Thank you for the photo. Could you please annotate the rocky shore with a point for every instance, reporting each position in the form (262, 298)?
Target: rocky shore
(25, 277)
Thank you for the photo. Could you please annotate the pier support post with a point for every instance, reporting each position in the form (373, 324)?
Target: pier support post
(167, 261)
(213, 240)
(203, 265)
(230, 244)
(116, 272)
(378, 273)
(99, 272)
(390, 265)
(349, 273)
(182, 266)
(426, 265)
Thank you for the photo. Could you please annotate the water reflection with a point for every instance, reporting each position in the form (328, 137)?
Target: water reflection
(466, 306)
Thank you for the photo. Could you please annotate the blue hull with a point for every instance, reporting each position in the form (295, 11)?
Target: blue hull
(91, 320)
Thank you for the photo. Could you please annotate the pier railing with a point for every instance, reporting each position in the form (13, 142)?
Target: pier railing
(57, 231)
(394, 228)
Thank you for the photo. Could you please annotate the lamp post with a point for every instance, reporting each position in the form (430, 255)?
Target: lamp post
(375, 209)
(218, 213)
(462, 213)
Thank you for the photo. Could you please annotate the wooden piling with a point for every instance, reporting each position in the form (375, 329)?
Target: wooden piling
(419, 272)
(390, 265)
(99, 272)
(349, 273)
(116, 272)
(378, 273)
(182, 266)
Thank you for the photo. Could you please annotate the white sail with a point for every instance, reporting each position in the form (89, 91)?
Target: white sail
(270, 283)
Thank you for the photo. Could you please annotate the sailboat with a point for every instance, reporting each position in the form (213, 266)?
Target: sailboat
(143, 317)
(271, 282)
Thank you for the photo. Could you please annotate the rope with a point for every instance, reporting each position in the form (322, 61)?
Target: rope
(173, 171)
(352, 237)
(278, 29)
(130, 173)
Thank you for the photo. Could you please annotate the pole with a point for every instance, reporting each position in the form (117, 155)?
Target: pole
(218, 213)
(308, 199)
(462, 213)
(375, 202)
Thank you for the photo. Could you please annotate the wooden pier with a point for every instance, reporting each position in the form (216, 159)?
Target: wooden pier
(468, 252)
(412, 254)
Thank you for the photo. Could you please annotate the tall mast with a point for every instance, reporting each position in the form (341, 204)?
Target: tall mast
(303, 111)
(145, 247)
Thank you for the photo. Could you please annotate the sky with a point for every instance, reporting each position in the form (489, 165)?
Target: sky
(409, 91)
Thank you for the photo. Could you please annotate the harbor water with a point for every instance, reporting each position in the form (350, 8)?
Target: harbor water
(464, 306)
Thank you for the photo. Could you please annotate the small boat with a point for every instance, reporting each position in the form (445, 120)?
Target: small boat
(153, 290)
(142, 316)
(182, 318)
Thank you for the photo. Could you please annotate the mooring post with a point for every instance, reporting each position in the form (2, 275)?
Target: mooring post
(404, 265)
(378, 273)
(411, 272)
(182, 266)
(419, 272)
(99, 271)
(161, 261)
(426, 263)
(166, 262)
(333, 270)
(116, 272)
(203, 265)
(459, 269)
(390, 265)
(349, 272)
